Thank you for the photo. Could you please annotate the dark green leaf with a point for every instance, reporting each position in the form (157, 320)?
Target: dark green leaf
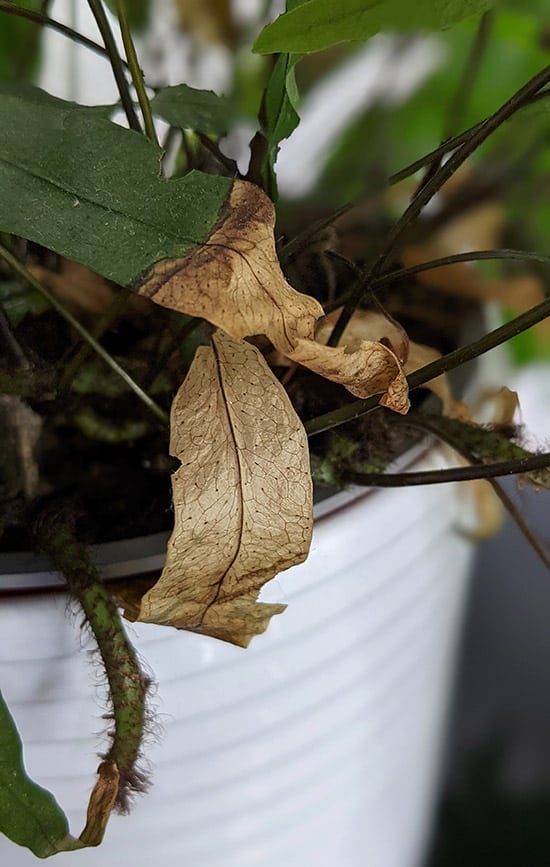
(318, 24)
(188, 108)
(29, 815)
(32, 94)
(92, 191)
(279, 116)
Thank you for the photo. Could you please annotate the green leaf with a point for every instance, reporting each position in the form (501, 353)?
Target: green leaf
(317, 24)
(200, 110)
(279, 117)
(138, 12)
(93, 191)
(29, 815)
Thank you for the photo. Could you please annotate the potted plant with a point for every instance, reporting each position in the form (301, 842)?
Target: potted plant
(154, 325)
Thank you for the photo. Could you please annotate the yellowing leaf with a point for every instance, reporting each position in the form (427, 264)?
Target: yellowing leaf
(235, 282)
(242, 496)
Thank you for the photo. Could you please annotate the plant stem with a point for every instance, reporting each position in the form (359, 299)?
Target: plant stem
(116, 63)
(456, 474)
(505, 332)
(459, 103)
(451, 145)
(55, 534)
(135, 70)
(20, 269)
(44, 20)
(471, 256)
(430, 188)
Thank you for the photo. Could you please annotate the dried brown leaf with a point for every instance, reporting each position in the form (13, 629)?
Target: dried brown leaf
(370, 325)
(242, 496)
(235, 282)
(210, 21)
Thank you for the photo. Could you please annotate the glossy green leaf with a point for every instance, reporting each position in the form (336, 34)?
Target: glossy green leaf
(93, 191)
(279, 117)
(188, 108)
(317, 24)
(29, 815)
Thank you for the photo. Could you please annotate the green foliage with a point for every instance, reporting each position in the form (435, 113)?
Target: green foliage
(92, 191)
(19, 43)
(29, 815)
(317, 24)
(200, 110)
(279, 117)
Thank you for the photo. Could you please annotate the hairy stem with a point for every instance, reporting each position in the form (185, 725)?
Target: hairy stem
(20, 269)
(424, 374)
(116, 63)
(135, 70)
(54, 532)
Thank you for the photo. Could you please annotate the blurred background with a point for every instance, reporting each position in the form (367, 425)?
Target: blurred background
(404, 95)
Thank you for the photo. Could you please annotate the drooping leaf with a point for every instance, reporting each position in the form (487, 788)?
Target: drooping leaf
(234, 281)
(29, 815)
(242, 496)
(92, 191)
(318, 24)
(189, 108)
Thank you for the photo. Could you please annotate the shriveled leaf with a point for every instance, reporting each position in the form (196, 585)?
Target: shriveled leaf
(367, 325)
(20, 429)
(317, 24)
(242, 496)
(235, 282)
(363, 367)
(234, 279)
(29, 815)
(190, 108)
(101, 803)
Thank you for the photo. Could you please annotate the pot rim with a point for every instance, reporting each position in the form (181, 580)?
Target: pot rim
(27, 570)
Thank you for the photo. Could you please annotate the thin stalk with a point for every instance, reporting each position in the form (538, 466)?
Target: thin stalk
(106, 321)
(20, 269)
(458, 105)
(505, 332)
(174, 344)
(116, 63)
(135, 71)
(433, 185)
(471, 256)
(450, 145)
(507, 502)
(44, 20)
(454, 474)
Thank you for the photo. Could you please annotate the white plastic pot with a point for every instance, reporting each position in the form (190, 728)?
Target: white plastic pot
(318, 746)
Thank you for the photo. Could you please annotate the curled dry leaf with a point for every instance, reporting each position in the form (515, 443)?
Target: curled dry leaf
(242, 496)
(235, 282)
(101, 803)
(371, 325)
